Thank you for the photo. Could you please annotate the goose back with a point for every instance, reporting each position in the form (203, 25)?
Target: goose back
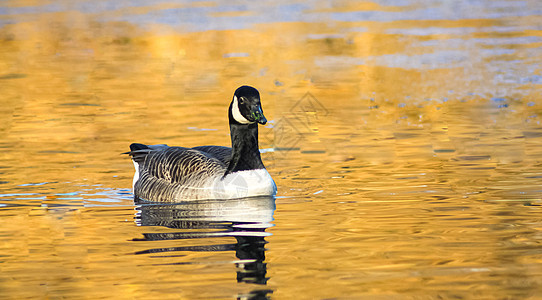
(221, 153)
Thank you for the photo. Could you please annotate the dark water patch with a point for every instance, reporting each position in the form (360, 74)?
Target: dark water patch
(79, 104)
(58, 152)
(533, 134)
(474, 157)
(444, 150)
(12, 76)
(313, 151)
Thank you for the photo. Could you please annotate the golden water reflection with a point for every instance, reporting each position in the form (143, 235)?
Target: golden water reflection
(404, 137)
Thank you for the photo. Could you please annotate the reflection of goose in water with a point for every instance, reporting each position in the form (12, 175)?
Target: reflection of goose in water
(245, 219)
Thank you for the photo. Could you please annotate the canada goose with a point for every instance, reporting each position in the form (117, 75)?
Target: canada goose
(174, 174)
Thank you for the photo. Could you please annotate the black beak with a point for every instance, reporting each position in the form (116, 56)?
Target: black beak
(263, 120)
(258, 116)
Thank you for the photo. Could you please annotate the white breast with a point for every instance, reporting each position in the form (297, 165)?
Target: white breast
(248, 183)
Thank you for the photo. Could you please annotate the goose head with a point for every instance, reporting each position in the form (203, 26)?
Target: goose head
(245, 107)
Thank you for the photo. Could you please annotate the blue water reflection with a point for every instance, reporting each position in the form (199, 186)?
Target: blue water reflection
(221, 15)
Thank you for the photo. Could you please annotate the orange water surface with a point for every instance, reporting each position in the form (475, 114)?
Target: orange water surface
(404, 137)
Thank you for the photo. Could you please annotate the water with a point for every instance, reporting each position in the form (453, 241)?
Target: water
(404, 138)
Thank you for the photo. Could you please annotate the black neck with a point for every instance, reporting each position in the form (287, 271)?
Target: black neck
(244, 142)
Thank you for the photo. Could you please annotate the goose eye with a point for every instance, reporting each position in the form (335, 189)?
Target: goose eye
(242, 100)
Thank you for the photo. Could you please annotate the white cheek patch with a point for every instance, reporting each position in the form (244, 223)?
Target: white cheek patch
(237, 114)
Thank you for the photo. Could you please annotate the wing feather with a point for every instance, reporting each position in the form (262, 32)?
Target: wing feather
(219, 152)
(181, 165)
(167, 173)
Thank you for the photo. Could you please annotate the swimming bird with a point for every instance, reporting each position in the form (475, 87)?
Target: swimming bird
(175, 174)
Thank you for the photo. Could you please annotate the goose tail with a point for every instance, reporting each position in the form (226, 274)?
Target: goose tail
(137, 146)
(139, 151)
